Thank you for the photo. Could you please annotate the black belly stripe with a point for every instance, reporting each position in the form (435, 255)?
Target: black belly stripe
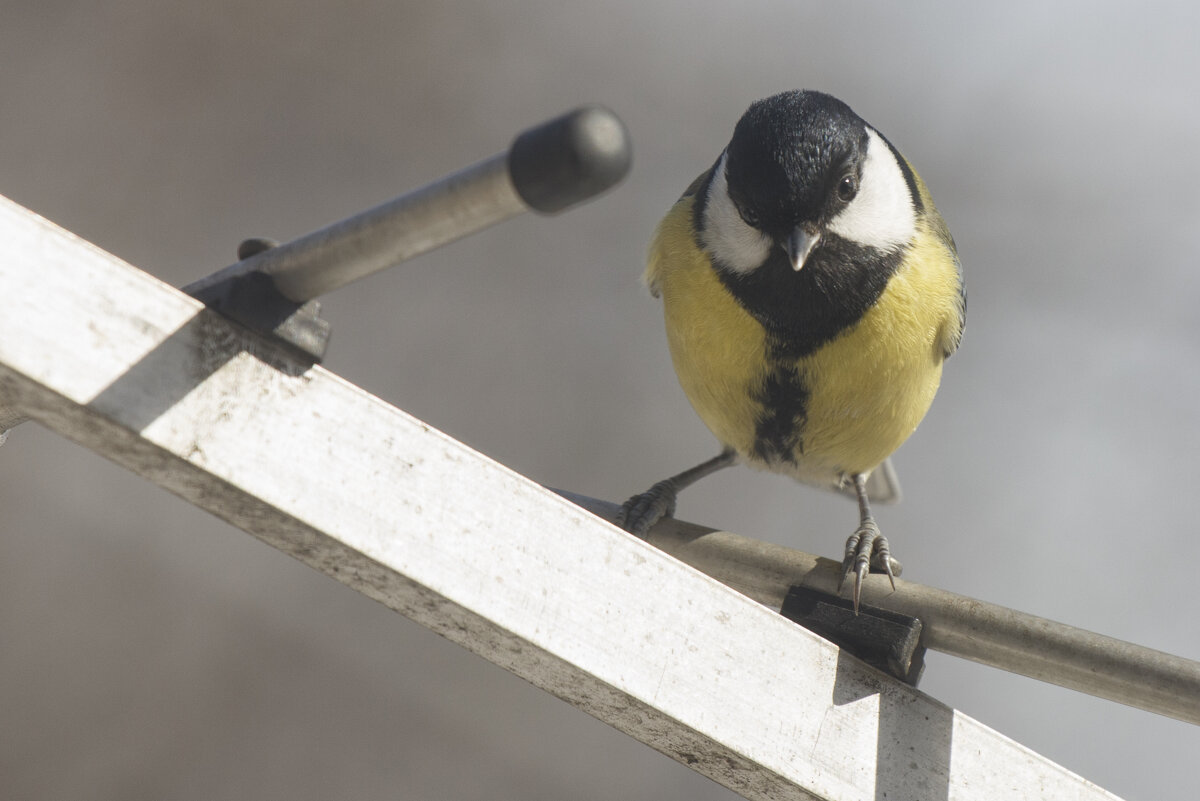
(778, 432)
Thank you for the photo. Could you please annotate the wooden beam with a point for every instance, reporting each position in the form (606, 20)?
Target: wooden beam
(125, 365)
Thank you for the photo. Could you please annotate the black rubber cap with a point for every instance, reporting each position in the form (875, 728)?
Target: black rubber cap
(569, 159)
(884, 639)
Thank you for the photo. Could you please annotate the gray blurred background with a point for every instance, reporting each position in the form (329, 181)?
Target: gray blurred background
(149, 651)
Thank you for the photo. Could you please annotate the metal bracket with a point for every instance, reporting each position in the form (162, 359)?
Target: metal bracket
(883, 639)
(252, 299)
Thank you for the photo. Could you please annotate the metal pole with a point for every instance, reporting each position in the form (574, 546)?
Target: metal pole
(458, 204)
(547, 169)
(953, 624)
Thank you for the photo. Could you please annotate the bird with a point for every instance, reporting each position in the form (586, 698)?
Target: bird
(811, 293)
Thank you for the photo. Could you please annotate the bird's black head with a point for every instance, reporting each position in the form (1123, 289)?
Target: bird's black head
(795, 158)
(802, 177)
(806, 214)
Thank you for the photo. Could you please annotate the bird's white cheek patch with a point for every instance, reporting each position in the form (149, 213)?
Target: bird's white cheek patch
(882, 214)
(730, 239)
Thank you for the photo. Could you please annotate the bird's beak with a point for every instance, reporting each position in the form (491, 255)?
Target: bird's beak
(800, 243)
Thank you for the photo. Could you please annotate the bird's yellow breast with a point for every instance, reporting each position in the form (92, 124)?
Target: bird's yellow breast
(868, 388)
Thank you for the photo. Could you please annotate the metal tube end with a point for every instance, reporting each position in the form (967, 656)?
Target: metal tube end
(569, 159)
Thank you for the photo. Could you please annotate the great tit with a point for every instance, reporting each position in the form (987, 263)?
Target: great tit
(811, 293)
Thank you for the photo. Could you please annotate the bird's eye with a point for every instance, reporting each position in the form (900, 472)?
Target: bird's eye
(847, 188)
(751, 218)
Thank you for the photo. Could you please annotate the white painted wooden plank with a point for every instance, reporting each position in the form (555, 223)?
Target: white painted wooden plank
(116, 360)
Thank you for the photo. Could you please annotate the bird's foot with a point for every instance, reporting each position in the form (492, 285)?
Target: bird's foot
(641, 512)
(867, 551)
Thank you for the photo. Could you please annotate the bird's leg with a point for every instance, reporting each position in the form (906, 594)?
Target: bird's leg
(867, 549)
(641, 512)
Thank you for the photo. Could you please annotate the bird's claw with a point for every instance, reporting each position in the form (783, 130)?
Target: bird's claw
(867, 551)
(641, 512)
